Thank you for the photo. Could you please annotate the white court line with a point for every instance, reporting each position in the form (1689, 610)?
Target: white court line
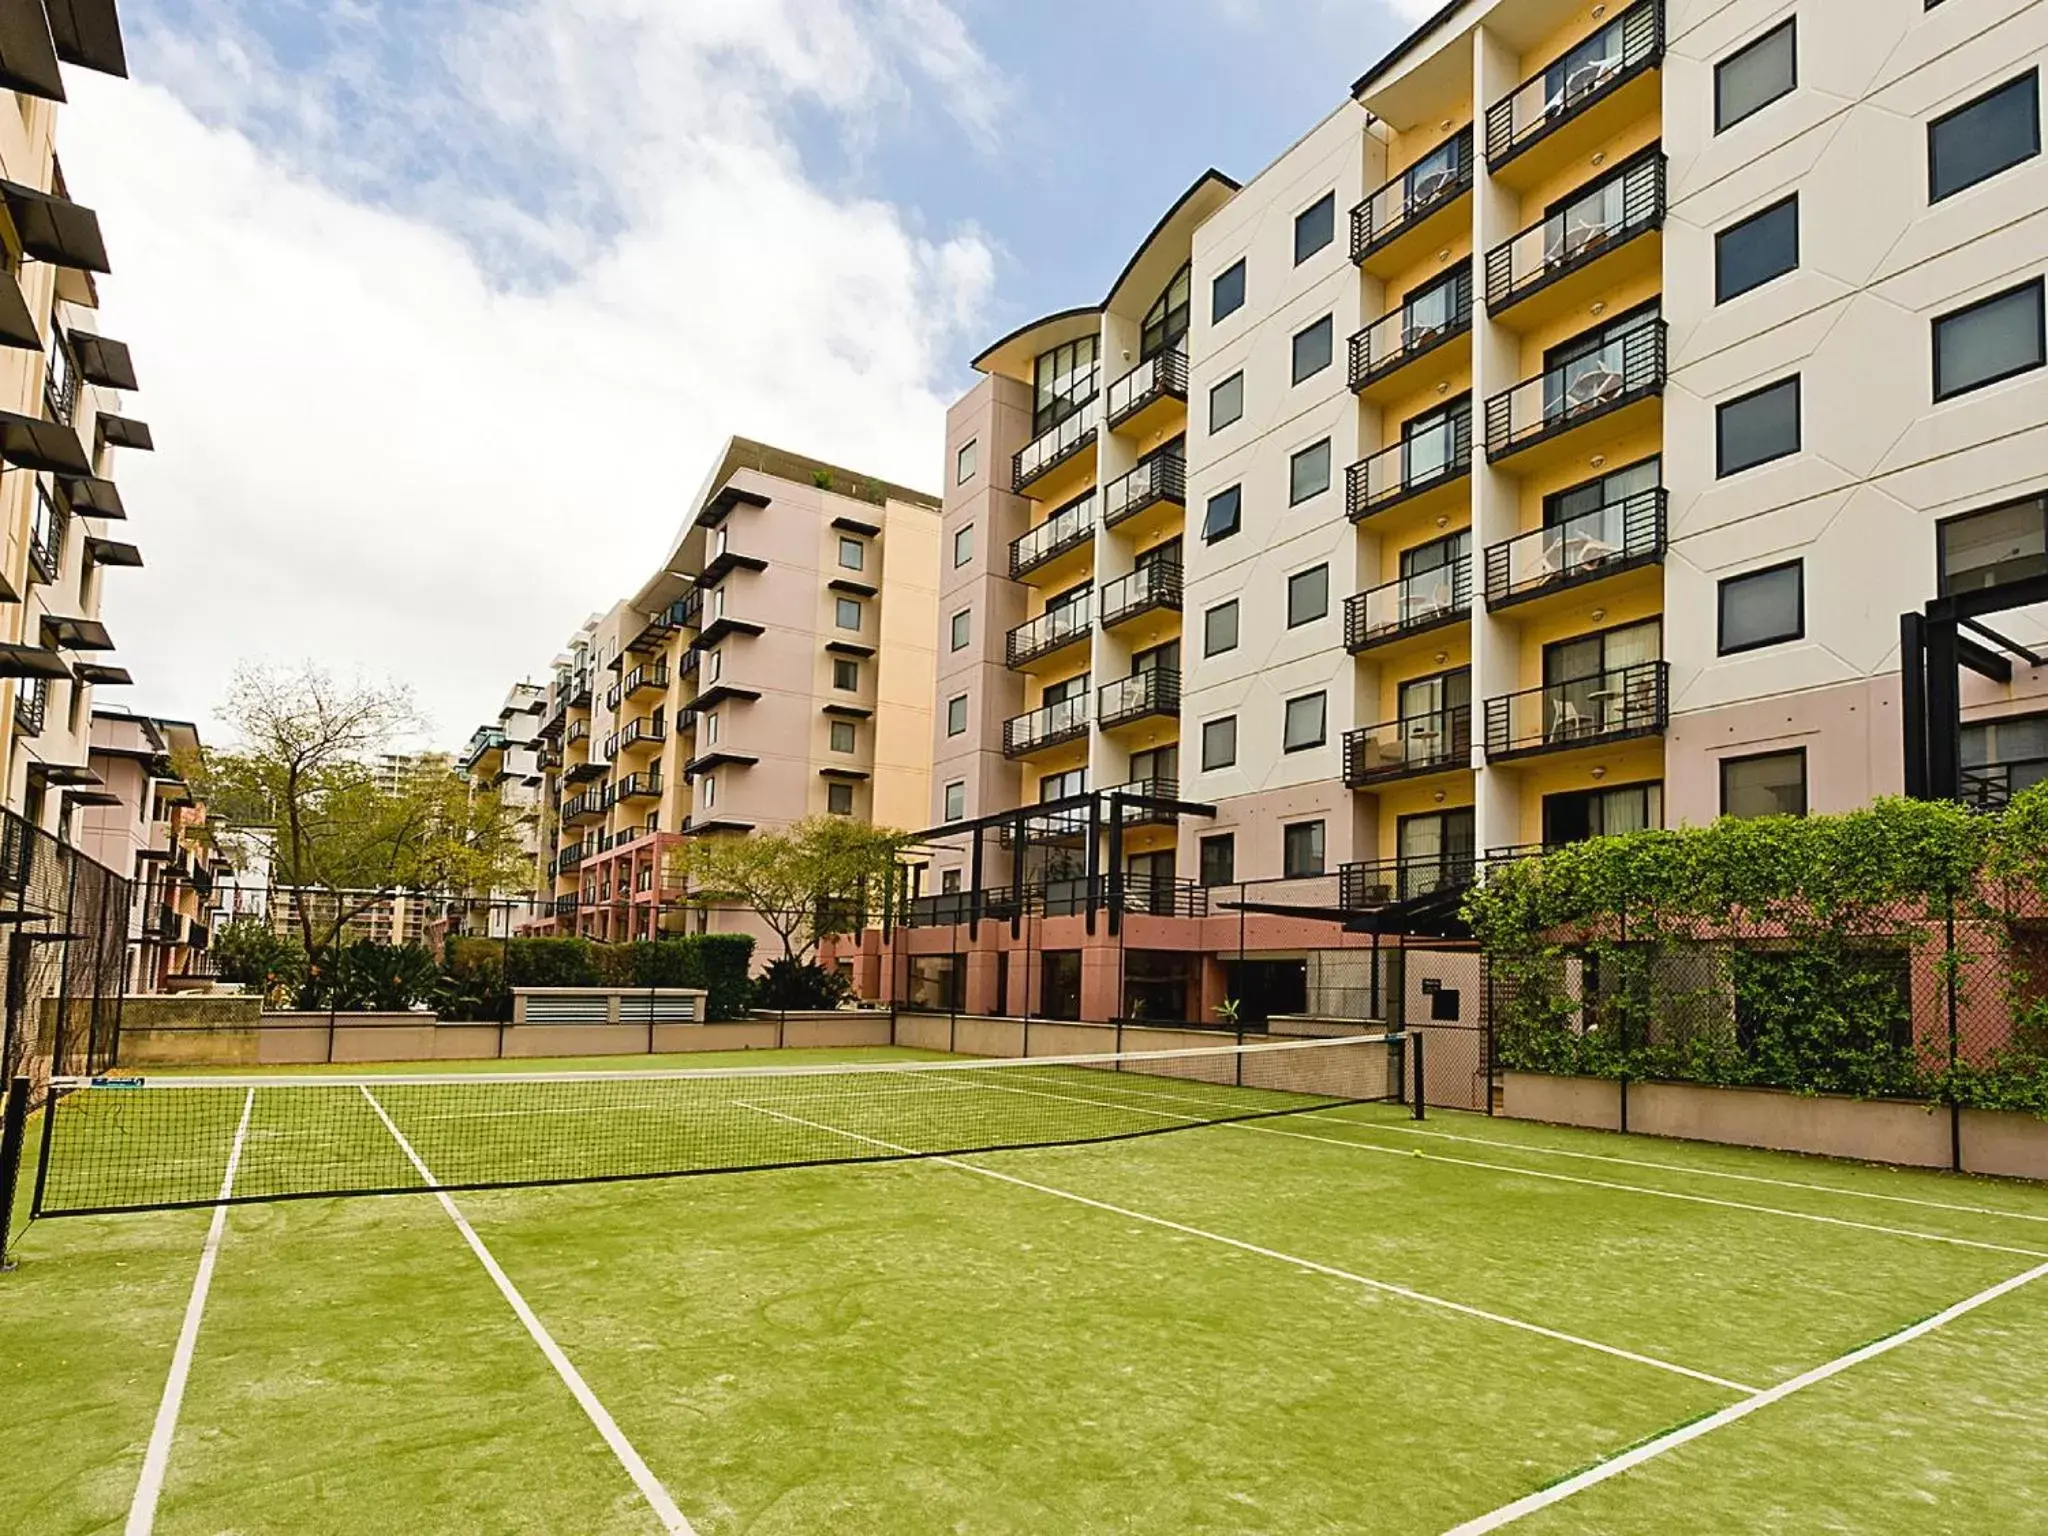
(1334, 1273)
(1649, 1450)
(156, 1460)
(644, 1479)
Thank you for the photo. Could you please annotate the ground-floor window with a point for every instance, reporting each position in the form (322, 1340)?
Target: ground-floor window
(1265, 989)
(938, 983)
(1160, 984)
(1059, 991)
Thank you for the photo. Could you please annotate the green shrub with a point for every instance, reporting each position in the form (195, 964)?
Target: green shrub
(473, 981)
(790, 983)
(253, 955)
(551, 963)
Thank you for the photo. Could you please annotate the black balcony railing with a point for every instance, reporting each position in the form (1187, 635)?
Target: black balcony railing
(1149, 587)
(1153, 692)
(1587, 72)
(1408, 606)
(1610, 212)
(638, 786)
(613, 695)
(46, 537)
(1046, 727)
(1418, 327)
(1160, 480)
(1151, 789)
(31, 706)
(642, 731)
(1991, 786)
(1057, 444)
(579, 691)
(1135, 895)
(1615, 537)
(1435, 182)
(641, 677)
(688, 611)
(1399, 749)
(1421, 462)
(1163, 376)
(1612, 705)
(587, 806)
(1627, 368)
(1053, 630)
(1363, 887)
(1065, 530)
(687, 664)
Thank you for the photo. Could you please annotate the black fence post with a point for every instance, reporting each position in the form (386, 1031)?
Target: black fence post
(13, 1132)
(1421, 1077)
(1952, 964)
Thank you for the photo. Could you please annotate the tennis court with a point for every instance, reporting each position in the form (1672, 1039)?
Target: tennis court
(1211, 1292)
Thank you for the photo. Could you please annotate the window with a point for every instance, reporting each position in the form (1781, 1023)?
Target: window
(1226, 293)
(1757, 428)
(711, 729)
(1312, 349)
(1219, 859)
(1166, 324)
(956, 716)
(1769, 784)
(1763, 246)
(1059, 984)
(967, 461)
(1226, 402)
(1983, 137)
(2001, 758)
(1221, 519)
(956, 800)
(963, 545)
(845, 675)
(1219, 743)
(1315, 227)
(710, 783)
(1301, 850)
(846, 614)
(853, 555)
(842, 735)
(1751, 78)
(839, 799)
(1308, 473)
(1306, 722)
(963, 623)
(1763, 608)
(1584, 813)
(1064, 380)
(1996, 545)
(714, 666)
(1308, 596)
(949, 883)
(1992, 339)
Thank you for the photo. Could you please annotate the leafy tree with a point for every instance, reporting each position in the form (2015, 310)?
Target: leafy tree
(791, 983)
(806, 884)
(253, 955)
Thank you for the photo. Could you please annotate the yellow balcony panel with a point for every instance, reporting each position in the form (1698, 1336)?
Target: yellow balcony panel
(1607, 239)
(1616, 388)
(1401, 615)
(1428, 473)
(1396, 226)
(1148, 601)
(1581, 715)
(1147, 397)
(1150, 502)
(1618, 548)
(1579, 100)
(1432, 331)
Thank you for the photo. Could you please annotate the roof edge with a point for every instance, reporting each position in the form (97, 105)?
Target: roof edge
(1406, 46)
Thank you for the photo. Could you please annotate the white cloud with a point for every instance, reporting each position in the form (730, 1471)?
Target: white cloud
(420, 424)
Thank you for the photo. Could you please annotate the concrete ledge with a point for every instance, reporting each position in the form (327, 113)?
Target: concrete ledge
(1592, 1102)
(2001, 1142)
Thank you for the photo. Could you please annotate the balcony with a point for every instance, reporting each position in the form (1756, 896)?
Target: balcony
(31, 706)
(1619, 536)
(1586, 86)
(1051, 632)
(1413, 605)
(637, 786)
(613, 695)
(643, 678)
(1053, 537)
(1412, 199)
(1414, 331)
(579, 730)
(643, 732)
(687, 611)
(1161, 481)
(1429, 461)
(1437, 742)
(686, 666)
(1620, 704)
(1055, 446)
(1138, 697)
(1578, 238)
(1991, 786)
(578, 809)
(1151, 789)
(1363, 887)
(579, 691)
(1148, 589)
(1622, 372)
(1159, 378)
(1134, 895)
(1046, 727)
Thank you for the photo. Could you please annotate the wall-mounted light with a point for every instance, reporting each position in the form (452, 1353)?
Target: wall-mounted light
(1599, 157)
(1597, 460)
(1599, 773)
(1443, 520)
(1443, 386)
(1444, 254)
(1444, 126)
(1599, 11)
(1442, 657)
(1598, 307)
(1438, 797)
(1599, 614)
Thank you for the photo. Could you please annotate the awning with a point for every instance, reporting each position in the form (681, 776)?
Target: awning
(29, 442)
(110, 552)
(90, 496)
(76, 774)
(28, 60)
(82, 796)
(88, 34)
(31, 661)
(102, 361)
(102, 676)
(69, 634)
(17, 325)
(54, 229)
(126, 432)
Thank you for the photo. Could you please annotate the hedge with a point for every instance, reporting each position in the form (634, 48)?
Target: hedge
(478, 974)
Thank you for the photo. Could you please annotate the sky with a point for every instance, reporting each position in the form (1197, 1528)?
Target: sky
(443, 308)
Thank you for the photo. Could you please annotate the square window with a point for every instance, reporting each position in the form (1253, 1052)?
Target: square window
(846, 614)
(1993, 339)
(963, 545)
(1226, 293)
(1308, 596)
(1308, 473)
(845, 675)
(949, 883)
(1768, 784)
(1224, 513)
(839, 799)
(1994, 546)
(1763, 246)
(956, 716)
(1219, 743)
(1315, 227)
(1219, 859)
(853, 555)
(1764, 607)
(1983, 137)
(1301, 850)
(967, 461)
(956, 800)
(963, 623)
(842, 735)
(1757, 428)
(1751, 78)
(1306, 722)
(1219, 629)
(1313, 349)
(1226, 402)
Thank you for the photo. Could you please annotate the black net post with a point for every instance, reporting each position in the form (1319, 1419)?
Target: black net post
(1951, 965)
(1416, 1054)
(13, 1132)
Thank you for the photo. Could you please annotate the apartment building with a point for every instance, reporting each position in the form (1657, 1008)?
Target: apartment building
(778, 664)
(504, 759)
(1576, 482)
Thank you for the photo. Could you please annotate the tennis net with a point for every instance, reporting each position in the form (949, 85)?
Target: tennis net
(159, 1143)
